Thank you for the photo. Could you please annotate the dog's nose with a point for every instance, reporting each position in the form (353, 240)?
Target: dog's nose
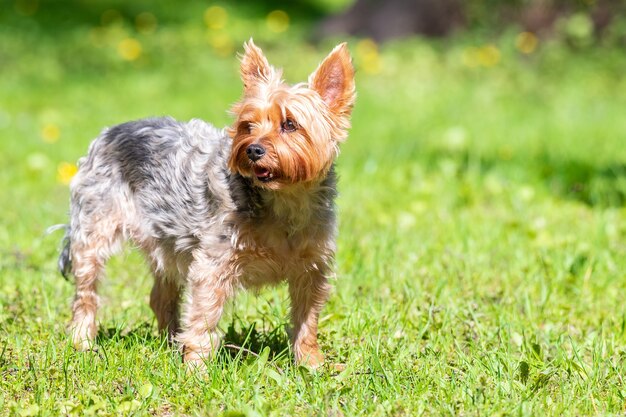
(255, 152)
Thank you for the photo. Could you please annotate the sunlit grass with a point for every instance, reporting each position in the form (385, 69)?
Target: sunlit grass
(482, 228)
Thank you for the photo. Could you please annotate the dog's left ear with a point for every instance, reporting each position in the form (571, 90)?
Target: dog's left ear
(334, 80)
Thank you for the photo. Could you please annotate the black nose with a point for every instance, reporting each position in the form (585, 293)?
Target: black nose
(255, 152)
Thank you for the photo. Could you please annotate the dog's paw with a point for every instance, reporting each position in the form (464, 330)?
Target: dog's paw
(83, 335)
(311, 358)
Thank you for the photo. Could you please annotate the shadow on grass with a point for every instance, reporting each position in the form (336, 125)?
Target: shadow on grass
(239, 342)
(242, 341)
(141, 334)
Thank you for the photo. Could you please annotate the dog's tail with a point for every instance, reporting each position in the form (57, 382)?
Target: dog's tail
(64, 264)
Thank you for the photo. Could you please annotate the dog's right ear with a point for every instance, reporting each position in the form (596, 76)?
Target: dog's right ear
(254, 65)
(334, 80)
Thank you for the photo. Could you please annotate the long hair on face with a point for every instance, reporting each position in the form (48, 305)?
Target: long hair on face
(299, 127)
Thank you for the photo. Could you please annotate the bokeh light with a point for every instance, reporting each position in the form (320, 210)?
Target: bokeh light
(578, 28)
(146, 23)
(455, 138)
(26, 7)
(111, 17)
(526, 42)
(215, 17)
(50, 133)
(37, 162)
(222, 43)
(277, 21)
(97, 37)
(129, 49)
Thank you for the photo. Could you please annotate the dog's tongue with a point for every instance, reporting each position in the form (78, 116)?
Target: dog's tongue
(261, 173)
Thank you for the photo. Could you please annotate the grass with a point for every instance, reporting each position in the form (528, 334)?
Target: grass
(482, 243)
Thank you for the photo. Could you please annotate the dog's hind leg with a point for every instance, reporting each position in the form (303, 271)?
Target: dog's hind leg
(89, 254)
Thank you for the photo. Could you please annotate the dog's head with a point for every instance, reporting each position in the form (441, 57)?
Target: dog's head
(283, 134)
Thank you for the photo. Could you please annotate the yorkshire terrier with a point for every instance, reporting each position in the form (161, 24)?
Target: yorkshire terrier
(215, 210)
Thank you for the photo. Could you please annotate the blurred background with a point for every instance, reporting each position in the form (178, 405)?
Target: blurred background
(459, 101)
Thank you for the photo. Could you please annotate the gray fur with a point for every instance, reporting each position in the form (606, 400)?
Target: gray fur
(210, 222)
(170, 181)
(64, 263)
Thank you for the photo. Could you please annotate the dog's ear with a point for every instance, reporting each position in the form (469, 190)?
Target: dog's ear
(254, 65)
(334, 80)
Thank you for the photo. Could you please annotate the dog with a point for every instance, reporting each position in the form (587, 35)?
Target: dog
(215, 210)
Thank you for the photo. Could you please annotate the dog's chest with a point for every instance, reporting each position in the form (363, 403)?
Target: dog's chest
(286, 236)
(280, 242)
(269, 253)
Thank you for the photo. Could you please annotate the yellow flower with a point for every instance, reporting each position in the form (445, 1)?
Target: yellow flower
(488, 55)
(526, 42)
(129, 49)
(65, 172)
(485, 56)
(215, 17)
(222, 44)
(50, 133)
(367, 52)
(277, 21)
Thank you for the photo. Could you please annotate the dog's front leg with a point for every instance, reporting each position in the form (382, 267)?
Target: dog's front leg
(308, 294)
(202, 309)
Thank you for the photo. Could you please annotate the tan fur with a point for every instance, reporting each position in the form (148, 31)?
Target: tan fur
(288, 234)
(322, 108)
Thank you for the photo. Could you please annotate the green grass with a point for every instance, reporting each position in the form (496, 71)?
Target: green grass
(482, 247)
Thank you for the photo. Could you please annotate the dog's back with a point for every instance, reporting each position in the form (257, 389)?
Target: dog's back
(157, 167)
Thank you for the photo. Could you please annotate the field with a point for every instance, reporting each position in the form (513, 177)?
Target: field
(482, 249)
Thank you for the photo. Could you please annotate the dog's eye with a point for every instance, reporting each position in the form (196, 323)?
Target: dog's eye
(288, 126)
(245, 127)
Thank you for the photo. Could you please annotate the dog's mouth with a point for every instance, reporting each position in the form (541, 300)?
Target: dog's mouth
(263, 174)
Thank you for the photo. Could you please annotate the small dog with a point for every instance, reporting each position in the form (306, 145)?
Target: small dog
(215, 210)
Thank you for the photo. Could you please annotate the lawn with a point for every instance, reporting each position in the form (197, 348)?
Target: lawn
(482, 248)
